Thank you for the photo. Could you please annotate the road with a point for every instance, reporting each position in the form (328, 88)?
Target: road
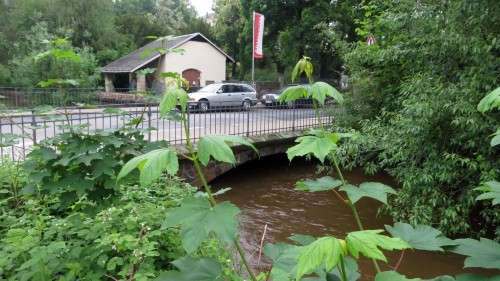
(257, 121)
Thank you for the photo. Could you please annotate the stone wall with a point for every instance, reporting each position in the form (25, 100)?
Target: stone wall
(267, 145)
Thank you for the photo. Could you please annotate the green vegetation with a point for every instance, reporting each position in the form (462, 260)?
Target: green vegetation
(99, 30)
(414, 98)
(201, 217)
(122, 239)
(108, 206)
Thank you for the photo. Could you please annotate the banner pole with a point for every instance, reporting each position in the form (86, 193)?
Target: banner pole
(253, 49)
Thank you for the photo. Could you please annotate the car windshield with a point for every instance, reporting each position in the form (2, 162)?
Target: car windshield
(210, 88)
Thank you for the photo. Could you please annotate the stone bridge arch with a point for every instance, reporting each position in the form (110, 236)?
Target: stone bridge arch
(267, 145)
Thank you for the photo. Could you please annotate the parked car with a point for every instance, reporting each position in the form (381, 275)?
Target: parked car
(271, 99)
(223, 95)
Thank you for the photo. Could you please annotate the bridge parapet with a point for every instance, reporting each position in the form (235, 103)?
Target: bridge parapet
(267, 145)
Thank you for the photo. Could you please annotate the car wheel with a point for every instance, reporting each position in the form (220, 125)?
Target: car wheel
(246, 105)
(290, 105)
(204, 106)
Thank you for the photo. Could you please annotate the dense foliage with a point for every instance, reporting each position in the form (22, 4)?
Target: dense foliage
(414, 96)
(76, 164)
(107, 205)
(100, 30)
(293, 29)
(64, 217)
(122, 240)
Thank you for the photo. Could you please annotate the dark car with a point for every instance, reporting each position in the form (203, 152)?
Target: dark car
(271, 99)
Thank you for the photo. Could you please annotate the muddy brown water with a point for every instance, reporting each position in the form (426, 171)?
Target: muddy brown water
(264, 191)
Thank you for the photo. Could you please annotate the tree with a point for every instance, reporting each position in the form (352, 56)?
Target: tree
(228, 27)
(291, 30)
(421, 81)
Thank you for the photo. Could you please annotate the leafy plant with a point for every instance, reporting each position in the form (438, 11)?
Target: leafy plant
(484, 253)
(321, 256)
(122, 241)
(419, 120)
(490, 101)
(420, 237)
(12, 180)
(198, 218)
(80, 164)
(491, 190)
(202, 269)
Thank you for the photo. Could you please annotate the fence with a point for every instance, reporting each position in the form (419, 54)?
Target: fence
(19, 131)
(25, 98)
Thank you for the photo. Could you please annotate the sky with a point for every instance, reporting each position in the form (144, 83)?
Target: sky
(202, 6)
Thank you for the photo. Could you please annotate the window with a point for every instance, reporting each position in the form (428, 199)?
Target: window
(239, 89)
(229, 88)
(210, 88)
(247, 89)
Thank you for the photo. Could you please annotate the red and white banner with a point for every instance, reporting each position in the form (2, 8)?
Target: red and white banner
(258, 34)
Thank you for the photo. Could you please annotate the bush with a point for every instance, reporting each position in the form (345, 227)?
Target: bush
(66, 218)
(425, 79)
(29, 67)
(76, 164)
(12, 180)
(121, 240)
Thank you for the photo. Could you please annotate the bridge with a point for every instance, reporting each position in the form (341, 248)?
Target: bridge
(267, 145)
(272, 123)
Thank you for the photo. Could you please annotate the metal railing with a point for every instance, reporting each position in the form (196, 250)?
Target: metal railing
(26, 98)
(20, 131)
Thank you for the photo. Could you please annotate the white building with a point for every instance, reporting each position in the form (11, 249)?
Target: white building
(199, 61)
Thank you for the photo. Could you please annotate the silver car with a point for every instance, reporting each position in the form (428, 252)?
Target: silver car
(223, 95)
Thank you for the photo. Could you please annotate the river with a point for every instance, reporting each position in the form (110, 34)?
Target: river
(264, 191)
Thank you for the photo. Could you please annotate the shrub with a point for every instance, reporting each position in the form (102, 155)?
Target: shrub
(424, 128)
(122, 240)
(76, 164)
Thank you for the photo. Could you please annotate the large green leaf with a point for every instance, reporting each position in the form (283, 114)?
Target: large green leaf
(324, 254)
(151, 165)
(321, 90)
(368, 242)
(491, 190)
(198, 219)
(294, 93)
(192, 269)
(172, 97)
(466, 277)
(496, 138)
(301, 239)
(304, 65)
(320, 147)
(375, 190)
(474, 277)
(422, 237)
(393, 276)
(217, 147)
(490, 101)
(483, 253)
(284, 257)
(321, 184)
(351, 268)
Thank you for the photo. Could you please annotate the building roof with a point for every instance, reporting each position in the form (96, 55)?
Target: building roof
(152, 51)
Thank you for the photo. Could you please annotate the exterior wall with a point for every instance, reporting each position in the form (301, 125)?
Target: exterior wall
(198, 55)
(108, 82)
(141, 82)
